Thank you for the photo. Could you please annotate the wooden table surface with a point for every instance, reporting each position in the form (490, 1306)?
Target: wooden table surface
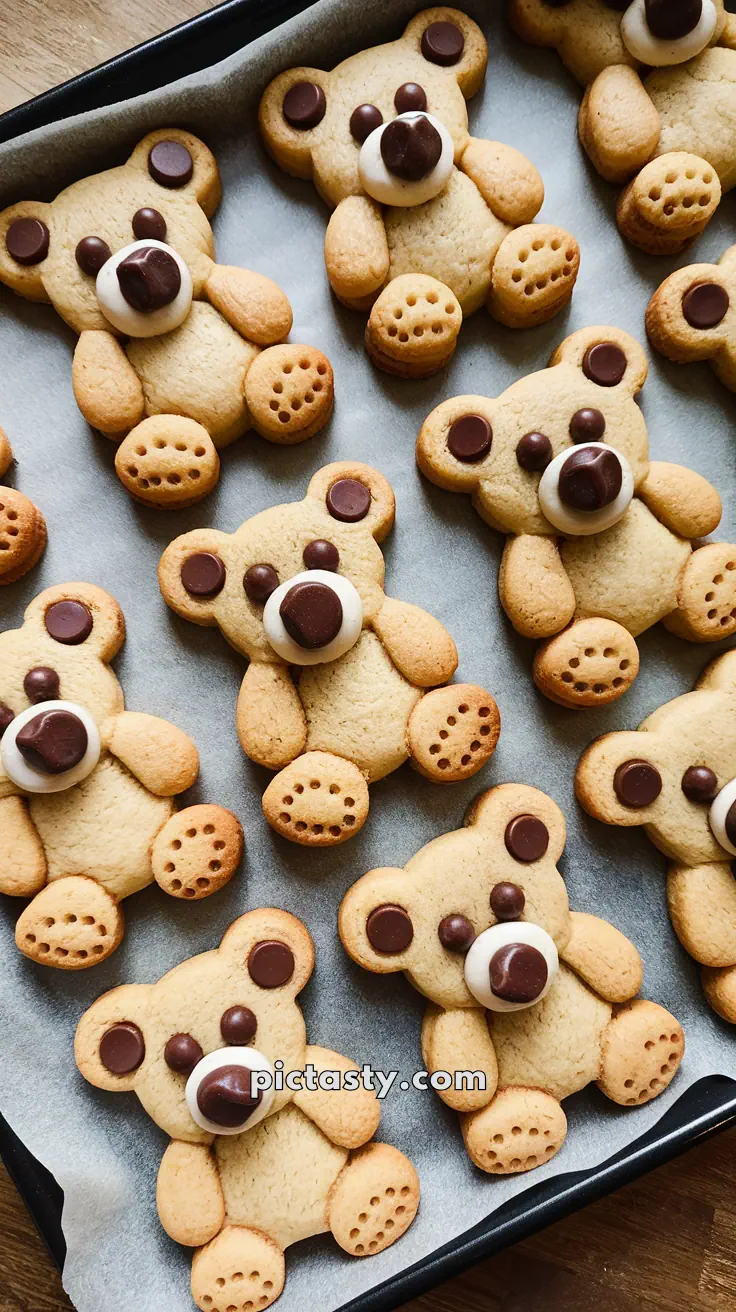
(665, 1243)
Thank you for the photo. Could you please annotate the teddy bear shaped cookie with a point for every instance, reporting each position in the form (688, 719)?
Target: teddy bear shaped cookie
(692, 316)
(261, 1154)
(22, 526)
(659, 110)
(676, 777)
(177, 356)
(599, 539)
(336, 691)
(429, 223)
(87, 810)
(538, 999)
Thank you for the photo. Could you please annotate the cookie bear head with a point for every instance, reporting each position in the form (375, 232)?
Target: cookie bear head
(189, 1045)
(478, 916)
(57, 688)
(297, 583)
(124, 250)
(676, 774)
(388, 122)
(561, 450)
(591, 35)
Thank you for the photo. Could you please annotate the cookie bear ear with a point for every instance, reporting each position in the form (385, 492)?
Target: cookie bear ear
(375, 921)
(25, 237)
(447, 38)
(501, 809)
(76, 614)
(291, 115)
(455, 443)
(178, 161)
(193, 572)
(720, 674)
(272, 948)
(619, 778)
(110, 1044)
(608, 357)
(355, 494)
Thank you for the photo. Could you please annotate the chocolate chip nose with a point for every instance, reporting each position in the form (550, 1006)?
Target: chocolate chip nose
(53, 741)
(590, 479)
(225, 1096)
(518, 973)
(671, 19)
(149, 278)
(411, 147)
(312, 614)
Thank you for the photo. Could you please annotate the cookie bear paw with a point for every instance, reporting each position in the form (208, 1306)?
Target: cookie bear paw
(669, 203)
(520, 1129)
(640, 1054)
(706, 597)
(373, 1200)
(592, 663)
(197, 852)
(413, 327)
(290, 392)
(240, 1268)
(719, 987)
(73, 923)
(168, 461)
(319, 800)
(533, 275)
(453, 731)
(22, 534)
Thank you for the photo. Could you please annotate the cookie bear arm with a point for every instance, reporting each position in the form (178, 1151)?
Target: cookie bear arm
(22, 858)
(618, 124)
(508, 182)
(188, 1194)
(533, 586)
(106, 387)
(682, 500)
(419, 646)
(349, 1117)
(253, 305)
(271, 724)
(162, 757)
(459, 1040)
(728, 35)
(356, 251)
(602, 956)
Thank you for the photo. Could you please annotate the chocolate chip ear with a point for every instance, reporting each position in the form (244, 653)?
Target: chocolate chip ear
(122, 1048)
(271, 964)
(68, 622)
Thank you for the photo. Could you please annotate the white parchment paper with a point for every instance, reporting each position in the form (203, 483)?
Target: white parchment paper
(103, 1149)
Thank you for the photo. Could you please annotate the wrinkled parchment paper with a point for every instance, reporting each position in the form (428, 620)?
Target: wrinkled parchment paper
(102, 1148)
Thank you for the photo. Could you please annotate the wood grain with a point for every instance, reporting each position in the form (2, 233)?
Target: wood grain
(664, 1244)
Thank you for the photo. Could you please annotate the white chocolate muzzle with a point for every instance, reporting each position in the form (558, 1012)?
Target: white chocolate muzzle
(23, 774)
(137, 323)
(350, 629)
(656, 52)
(385, 187)
(251, 1059)
(478, 961)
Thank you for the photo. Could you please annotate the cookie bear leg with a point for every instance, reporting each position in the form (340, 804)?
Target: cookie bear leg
(452, 732)
(533, 275)
(719, 987)
(520, 1129)
(289, 392)
(413, 327)
(168, 461)
(319, 800)
(73, 923)
(669, 203)
(22, 858)
(197, 852)
(239, 1268)
(706, 596)
(373, 1200)
(641, 1051)
(591, 663)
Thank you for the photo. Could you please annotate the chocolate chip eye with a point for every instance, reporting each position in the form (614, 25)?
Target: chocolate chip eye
(456, 933)
(534, 452)
(238, 1026)
(91, 254)
(321, 554)
(182, 1053)
(271, 964)
(149, 225)
(508, 900)
(410, 97)
(699, 784)
(41, 684)
(6, 718)
(587, 425)
(364, 120)
(259, 582)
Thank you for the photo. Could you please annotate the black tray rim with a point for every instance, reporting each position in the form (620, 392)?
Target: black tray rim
(708, 1107)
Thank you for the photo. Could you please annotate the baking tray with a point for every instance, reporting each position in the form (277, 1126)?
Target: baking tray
(707, 1107)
